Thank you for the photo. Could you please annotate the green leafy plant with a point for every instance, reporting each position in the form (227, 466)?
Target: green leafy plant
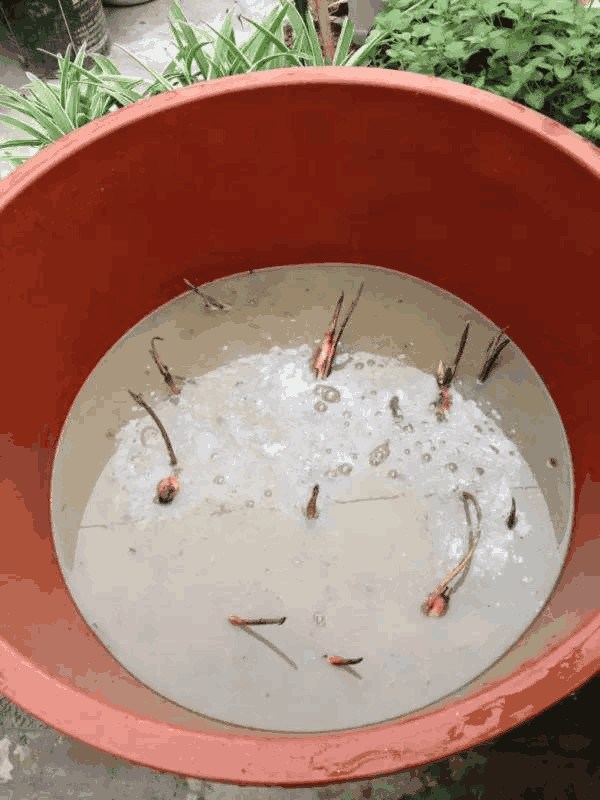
(44, 112)
(542, 53)
(203, 52)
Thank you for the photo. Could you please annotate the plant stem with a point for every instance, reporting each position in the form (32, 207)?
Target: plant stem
(162, 367)
(243, 621)
(511, 520)
(325, 29)
(311, 508)
(339, 661)
(437, 602)
(141, 402)
(495, 347)
(209, 302)
(324, 356)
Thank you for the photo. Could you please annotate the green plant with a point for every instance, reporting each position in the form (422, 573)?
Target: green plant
(44, 112)
(542, 53)
(204, 52)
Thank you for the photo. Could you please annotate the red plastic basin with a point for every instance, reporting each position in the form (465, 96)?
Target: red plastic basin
(476, 194)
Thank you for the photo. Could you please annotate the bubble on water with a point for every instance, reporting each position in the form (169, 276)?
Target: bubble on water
(297, 562)
(479, 470)
(452, 466)
(223, 509)
(320, 406)
(407, 452)
(214, 456)
(252, 302)
(249, 503)
(346, 424)
(219, 479)
(359, 365)
(370, 362)
(379, 454)
(268, 493)
(354, 456)
(419, 444)
(148, 434)
(426, 457)
(552, 462)
(478, 428)
(328, 450)
(408, 428)
(330, 395)
(347, 414)
(345, 469)
(373, 392)
(393, 473)
(320, 620)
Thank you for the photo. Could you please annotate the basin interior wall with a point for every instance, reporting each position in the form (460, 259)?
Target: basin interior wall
(449, 184)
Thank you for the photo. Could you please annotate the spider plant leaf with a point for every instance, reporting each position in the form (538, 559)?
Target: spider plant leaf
(176, 32)
(279, 45)
(258, 65)
(222, 45)
(158, 78)
(225, 45)
(342, 49)
(72, 103)
(48, 97)
(121, 88)
(197, 54)
(215, 70)
(182, 28)
(21, 143)
(313, 41)
(15, 161)
(71, 91)
(298, 26)
(26, 108)
(106, 65)
(363, 54)
(100, 106)
(64, 63)
(258, 45)
(14, 122)
(109, 93)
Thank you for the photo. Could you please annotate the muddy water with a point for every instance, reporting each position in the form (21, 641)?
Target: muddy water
(254, 432)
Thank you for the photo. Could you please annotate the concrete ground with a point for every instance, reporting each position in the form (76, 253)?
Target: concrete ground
(554, 757)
